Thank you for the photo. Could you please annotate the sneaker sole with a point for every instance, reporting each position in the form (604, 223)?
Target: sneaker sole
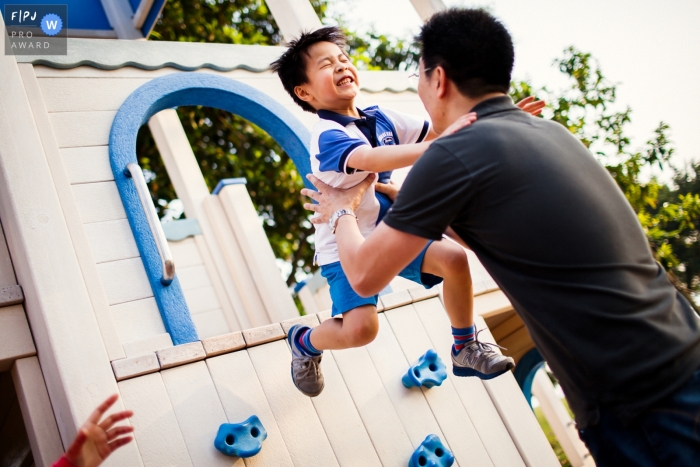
(457, 371)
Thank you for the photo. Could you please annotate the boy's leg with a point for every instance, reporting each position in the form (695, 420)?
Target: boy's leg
(469, 356)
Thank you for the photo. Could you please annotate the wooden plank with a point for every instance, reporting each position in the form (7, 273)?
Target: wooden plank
(458, 427)
(560, 421)
(37, 413)
(520, 354)
(410, 405)
(210, 323)
(77, 371)
(507, 327)
(98, 202)
(202, 300)
(7, 272)
(247, 228)
(263, 334)
(306, 320)
(421, 293)
(72, 215)
(111, 240)
(148, 345)
(294, 413)
(517, 415)
(181, 355)
(15, 336)
(185, 253)
(224, 343)
(199, 413)
(156, 429)
(87, 165)
(491, 303)
(193, 277)
(79, 129)
(374, 405)
(341, 421)
(476, 400)
(496, 320)
(251, 311)
(126, 368)
(517, 341)
(86, 94)
(11, 295)
(124, 280)
(395, 299)
(137, 320)
(241, 396)
(218, 284)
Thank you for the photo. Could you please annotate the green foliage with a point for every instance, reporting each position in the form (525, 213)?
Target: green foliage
(551, 437)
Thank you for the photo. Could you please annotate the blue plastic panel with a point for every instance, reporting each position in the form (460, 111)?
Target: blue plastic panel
(82, 14)
(181, 89)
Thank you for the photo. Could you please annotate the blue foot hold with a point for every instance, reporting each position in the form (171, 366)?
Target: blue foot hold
(431, 453)
(241, 439)
(428, 372)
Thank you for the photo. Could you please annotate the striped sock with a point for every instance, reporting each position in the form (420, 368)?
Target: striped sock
(304, 344)
(462, 336)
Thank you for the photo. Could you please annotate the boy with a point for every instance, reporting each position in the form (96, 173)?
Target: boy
(346, 144)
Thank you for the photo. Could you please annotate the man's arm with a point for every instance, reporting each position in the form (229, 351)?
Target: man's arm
(370, 264)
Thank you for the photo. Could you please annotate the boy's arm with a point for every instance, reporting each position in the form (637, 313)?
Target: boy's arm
(385, 158)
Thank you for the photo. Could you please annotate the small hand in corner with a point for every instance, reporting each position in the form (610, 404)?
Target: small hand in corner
(531, 106)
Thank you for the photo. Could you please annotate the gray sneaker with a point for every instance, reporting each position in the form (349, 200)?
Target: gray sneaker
(306, 371)
(479, 359)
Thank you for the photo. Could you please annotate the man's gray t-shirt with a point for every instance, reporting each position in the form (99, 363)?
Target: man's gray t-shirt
(556, 233)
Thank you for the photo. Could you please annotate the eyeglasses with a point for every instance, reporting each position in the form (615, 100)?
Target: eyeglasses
(414, 78)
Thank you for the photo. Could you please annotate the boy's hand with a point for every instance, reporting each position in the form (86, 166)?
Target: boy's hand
(95, 441)
(531, 106)
(461, 122)
(390, 189)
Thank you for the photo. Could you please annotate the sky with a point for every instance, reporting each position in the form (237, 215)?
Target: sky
(651, 49)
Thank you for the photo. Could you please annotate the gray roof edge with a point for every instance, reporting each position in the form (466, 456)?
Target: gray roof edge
(112, 54)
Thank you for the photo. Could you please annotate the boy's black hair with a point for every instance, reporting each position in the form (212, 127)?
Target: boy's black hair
(291, 66)
(472, 46)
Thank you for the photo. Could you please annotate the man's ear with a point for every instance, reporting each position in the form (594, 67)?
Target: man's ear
(440, 78)
(303, 94)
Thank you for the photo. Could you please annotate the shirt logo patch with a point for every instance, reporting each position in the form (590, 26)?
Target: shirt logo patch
(387, 138)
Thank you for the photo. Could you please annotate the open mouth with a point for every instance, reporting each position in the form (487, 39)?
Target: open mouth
(345, 81)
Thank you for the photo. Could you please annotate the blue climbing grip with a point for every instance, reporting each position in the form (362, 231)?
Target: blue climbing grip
(241, 439)
(428, 372)
(431, 453)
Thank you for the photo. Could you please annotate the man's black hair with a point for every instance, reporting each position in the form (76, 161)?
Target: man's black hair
(472, 46)
(291, 66)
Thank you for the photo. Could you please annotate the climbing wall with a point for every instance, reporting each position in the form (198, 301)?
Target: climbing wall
(364, 416)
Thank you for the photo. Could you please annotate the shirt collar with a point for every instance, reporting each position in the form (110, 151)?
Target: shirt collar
(340, 118)
(494, 105)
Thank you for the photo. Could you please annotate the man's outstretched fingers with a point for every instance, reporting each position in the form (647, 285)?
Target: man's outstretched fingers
(310, 193)
(311, 207)
(316, 182)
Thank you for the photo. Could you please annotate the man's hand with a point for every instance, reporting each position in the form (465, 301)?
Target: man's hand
(331, 199)
(531, 106)
(95, 441)
(390, 189)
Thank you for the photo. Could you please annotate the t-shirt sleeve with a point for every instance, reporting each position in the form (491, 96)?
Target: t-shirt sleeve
(409, 128)
(435, 192)
(335, 146)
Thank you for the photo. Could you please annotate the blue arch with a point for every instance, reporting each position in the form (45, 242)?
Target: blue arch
(181, 89)
(525, 372)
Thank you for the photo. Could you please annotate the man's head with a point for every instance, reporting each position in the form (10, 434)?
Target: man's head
(467, 50)
(316, 71)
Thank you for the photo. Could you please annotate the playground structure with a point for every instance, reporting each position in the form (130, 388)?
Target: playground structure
(99, 310)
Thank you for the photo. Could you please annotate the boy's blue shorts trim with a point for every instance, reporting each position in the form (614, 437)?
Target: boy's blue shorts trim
(345, 298)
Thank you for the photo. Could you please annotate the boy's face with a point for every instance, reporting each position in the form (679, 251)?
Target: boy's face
(332, 79)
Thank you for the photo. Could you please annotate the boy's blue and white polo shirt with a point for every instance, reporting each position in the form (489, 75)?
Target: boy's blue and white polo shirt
(334, 138)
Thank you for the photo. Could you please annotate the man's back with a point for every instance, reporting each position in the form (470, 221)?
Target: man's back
(557, 234)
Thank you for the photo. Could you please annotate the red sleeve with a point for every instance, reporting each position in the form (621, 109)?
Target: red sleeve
(63, 462)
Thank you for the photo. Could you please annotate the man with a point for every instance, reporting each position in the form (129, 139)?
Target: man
(555, 232)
